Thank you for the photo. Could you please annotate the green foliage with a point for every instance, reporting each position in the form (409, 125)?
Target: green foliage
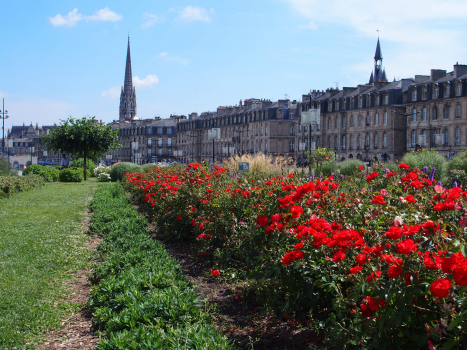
(71, 175)
(327, 169)
(146, 167)
(4, 166)
(83, 138)
(142, 299)
(319, 158)
(50, 174)
(79, 163)
(9, 185)
(13, 172)
(350, 167)
(119, 170)
(428, 158)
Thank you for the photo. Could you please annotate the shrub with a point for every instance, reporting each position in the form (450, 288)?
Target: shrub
(426, 158)
(9, 185)
(146, 167)
(104, 177)
(259, 162)
(50, 174)
(4, 166)
(101, 168)
(350, 167)
(79, 163)
(71, 175)
(13, 172)
(119, 170)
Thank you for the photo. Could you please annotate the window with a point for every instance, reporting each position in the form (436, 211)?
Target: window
(360, 120)
(446, 112)
(329, 123)
(329, 142)
(318, 141)
(149, 142)
(424, 93)
(292, 146)
(336, 123)
(376, 141)
(386, 99)
(376, 119)
(435, 91)
(458, 136)
(343, 142)
(360, 102)
(385, 140)
(159, 142)
(159, 131)
(344, 122)
(169, 141)
(368, 120)
(149, 152)
(351, 120)
(149, 131)
(385, 118)
(292, 130)
(377, 100)
(351, 142)
(424, 113)
(446, 136)
(447, 90)
(458, 89)
(336, 143)
(367, 141)
(359, 142)
(291, 115)
(330, 106)
(423, 143)
(337, 105)
(414, 136)
(169, 152)
(414, 94)
(299, 128)
(266, 146)
(458, 111)
(368, 100)
(169, 131)
(414, 114)
(435, 113)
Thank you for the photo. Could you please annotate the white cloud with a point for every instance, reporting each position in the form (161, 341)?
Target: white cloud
(112, 93)
(147, 82)
(69, 20)
(191, 13)
(151, 19)
(73, 17)
(104, 15)
(428, 33)
(174, 58)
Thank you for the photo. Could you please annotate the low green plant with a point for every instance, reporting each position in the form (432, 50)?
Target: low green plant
(4, 166)
(119, 170)
(429, 158)
(50, 174)
(71, 175)
(350, 167)
(141, 300)
(146, 167)
(9, 185)
(79, 163)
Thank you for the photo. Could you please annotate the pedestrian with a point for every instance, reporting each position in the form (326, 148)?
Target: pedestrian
(64, 163)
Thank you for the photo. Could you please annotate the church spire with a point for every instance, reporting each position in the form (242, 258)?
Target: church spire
(378, 54)
(128, 77)
(128, 93)
(378, 75)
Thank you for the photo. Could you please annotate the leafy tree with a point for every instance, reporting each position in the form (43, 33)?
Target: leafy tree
(319, 157)
(82, 138)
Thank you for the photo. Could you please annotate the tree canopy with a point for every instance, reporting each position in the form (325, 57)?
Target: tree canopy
(82, 138)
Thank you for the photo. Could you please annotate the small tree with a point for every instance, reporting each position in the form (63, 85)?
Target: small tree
(82, 138)
(319, 157)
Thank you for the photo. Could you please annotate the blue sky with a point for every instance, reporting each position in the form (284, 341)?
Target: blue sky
(62, 58)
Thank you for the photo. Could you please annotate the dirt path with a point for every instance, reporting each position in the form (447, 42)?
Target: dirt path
(76, 332)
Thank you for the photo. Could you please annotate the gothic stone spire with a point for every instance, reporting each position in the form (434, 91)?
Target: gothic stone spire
(128, 93)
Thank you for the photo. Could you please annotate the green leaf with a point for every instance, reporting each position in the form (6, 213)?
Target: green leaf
(449, 344)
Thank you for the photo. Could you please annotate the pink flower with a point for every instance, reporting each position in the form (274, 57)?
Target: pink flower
(384, 192)
(398, 221)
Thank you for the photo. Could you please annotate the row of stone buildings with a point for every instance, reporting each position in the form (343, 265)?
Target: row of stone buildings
(373, 119)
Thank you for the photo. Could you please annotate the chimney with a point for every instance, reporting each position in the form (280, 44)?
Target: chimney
(459, 70)
(437, 74)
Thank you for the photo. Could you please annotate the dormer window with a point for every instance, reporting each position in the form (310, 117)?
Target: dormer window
(447, 90)
(337, 105)
(424, 93)
(330, 106)
(360, 102)
(377, 100)
(386, 99)
(435, 91)
(414, 94)
(368, 101)
(458, 89)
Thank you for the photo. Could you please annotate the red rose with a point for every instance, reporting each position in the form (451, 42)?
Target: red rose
(262, 221)
(460, 273)
(440, 287)
(406, 247)
(410, 199)
(179, 218)
(215, 273)
(374, 275)
(356, 269)
(298, 246)
(291, 256)
(361, 259)
(394, 271)
(394, 232)
(378, 199)
(296, 211)
(372, 176)
(440, 207)
(404, 166)
(338, 256)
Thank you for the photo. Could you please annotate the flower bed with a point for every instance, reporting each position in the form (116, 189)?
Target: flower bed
(9, 185)
(378, 259)
(142, 299)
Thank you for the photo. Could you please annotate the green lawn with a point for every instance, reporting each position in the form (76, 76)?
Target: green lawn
(41, 244)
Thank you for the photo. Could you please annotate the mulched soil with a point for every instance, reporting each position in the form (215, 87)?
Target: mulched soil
(76, 333)
(249, 327)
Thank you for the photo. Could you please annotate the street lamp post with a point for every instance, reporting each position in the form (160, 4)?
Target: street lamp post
(3, 116)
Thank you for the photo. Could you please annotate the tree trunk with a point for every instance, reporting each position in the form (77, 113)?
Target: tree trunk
(84, 166)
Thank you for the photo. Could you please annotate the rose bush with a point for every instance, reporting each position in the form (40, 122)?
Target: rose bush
(377, 260)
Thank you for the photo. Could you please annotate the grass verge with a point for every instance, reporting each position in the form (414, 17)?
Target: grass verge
(142, 299)
(41, 244)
